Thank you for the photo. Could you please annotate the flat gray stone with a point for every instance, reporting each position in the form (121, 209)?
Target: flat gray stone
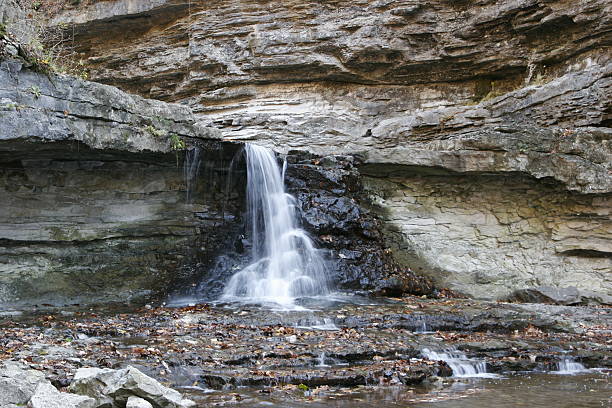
(18, 383)
(47, 396)
(136, 402)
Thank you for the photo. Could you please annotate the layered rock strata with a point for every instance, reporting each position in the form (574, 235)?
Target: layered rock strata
(92, 198)
(483, 127)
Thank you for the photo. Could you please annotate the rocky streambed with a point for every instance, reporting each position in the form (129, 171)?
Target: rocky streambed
(338, 351)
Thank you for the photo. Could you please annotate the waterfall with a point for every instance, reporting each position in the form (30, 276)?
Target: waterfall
(285, 264)
(569, 366)
(461, 365)
(321, 360)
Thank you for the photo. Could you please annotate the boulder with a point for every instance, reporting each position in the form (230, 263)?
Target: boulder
(136, 402)
(113, 388)
(47, 396)
(18, 384)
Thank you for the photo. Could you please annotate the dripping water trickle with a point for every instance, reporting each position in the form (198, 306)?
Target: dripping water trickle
(191, 170)
(321, 360)
(285, 265)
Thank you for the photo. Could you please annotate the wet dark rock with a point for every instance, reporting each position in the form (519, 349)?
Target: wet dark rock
(334, 209)
(376, 344)
(372, 374)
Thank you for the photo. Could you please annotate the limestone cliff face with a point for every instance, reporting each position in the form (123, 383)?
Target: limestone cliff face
(482, 128)
(92, 202)
(96, 205)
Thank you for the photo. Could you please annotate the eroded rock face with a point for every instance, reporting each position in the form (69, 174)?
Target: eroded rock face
(487, 235)
(42, 108)
(93, 204)
(172, 45)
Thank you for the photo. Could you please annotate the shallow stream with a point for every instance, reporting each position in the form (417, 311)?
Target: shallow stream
(585, 390)
(344, 352)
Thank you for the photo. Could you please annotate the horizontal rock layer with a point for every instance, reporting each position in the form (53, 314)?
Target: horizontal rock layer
(172, 45)
(470, 87)
(97, 207)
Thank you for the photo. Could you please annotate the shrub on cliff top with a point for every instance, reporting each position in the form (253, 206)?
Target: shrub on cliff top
(44, 48)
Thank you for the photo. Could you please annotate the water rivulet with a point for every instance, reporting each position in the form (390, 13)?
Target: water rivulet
(285, 263)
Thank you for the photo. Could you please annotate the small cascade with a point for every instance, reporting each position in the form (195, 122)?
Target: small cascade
(569, 366)
(423, 327)
(191, 170)
(316, 324)
(328, 324)
(322, 360)
(285, 264)
(461, 365)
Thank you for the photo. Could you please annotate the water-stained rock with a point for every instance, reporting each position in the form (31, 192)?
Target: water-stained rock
(334, 208)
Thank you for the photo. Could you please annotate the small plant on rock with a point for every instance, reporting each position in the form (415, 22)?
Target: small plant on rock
(35, 90)
(176, 144)
(153, 131)
(46, 49)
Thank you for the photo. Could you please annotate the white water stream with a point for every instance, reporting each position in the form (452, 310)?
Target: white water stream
(285, 264)
(461, 365)
(569, 366)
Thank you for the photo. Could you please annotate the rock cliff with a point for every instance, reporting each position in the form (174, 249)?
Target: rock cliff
(99, 204)
(481, 129)
(92, 202)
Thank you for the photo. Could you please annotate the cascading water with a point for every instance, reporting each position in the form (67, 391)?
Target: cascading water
(569, 366)
(461, 365)
(285, 264)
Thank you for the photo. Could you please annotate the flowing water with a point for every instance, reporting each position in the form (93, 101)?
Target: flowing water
(587, 390)
(286, 267)
(285, 263)
(461, 365)
(569, 366)
(191, 170)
